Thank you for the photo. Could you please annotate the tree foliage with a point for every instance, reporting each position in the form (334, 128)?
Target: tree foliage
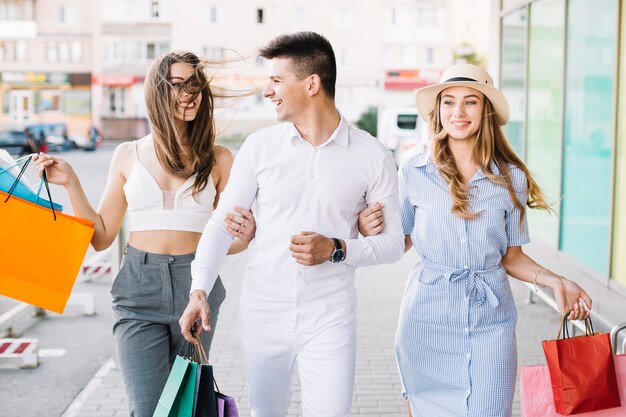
(368, 121)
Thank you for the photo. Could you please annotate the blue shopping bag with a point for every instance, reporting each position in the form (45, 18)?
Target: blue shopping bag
(9, 173)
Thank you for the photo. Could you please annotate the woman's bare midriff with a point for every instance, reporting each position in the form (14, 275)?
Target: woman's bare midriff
(166, 242)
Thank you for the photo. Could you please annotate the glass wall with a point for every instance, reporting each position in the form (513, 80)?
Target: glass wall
(618, 270)
(513, 74)
(546, 60)
(589, 112)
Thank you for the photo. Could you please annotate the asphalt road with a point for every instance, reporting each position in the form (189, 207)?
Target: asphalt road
(73, 346)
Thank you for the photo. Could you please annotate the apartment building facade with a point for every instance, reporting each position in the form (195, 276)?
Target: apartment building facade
(91, 56)
(46, 62)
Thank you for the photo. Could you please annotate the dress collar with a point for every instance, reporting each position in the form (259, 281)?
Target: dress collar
(426, 160)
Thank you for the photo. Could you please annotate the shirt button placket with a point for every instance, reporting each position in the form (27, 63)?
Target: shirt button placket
(310, 198)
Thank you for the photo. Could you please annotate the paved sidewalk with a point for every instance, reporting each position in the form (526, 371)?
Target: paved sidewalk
(377, 388)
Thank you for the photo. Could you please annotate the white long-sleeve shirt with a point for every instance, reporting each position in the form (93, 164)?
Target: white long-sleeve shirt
(298, 187)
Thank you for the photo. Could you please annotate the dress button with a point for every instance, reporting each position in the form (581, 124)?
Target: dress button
(469, 355)
(465, 267)
(466, 330)
(463, 240)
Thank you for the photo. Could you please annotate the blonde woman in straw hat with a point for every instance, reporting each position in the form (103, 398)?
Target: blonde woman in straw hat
(463, 209)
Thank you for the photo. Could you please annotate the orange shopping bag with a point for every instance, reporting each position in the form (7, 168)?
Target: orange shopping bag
(40, 252)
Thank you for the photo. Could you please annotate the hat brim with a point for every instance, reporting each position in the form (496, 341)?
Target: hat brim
(427, 96)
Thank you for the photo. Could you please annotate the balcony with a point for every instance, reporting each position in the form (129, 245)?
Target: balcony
(18, 29)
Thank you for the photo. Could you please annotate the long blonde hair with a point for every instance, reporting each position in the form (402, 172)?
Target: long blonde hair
(181, 153)
(490, 145)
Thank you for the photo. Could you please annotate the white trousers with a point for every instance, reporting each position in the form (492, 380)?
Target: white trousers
(319, 336)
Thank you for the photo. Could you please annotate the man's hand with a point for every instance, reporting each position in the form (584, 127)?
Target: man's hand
(310, 248)
(371, 220)
(197, 309)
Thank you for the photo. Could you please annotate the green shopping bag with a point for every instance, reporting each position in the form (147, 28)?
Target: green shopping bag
(177, 398)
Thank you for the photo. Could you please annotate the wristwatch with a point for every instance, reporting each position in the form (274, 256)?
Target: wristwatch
(338, 254)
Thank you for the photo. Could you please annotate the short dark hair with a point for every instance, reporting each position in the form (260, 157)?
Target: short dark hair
(310, 52)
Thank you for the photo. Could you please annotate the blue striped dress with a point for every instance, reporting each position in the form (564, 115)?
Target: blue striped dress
(455, 343)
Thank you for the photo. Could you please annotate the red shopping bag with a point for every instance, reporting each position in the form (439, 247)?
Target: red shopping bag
(582, 371)
(536, 398)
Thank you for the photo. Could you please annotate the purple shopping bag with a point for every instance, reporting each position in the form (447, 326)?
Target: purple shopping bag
(226, 406)
(536, 397)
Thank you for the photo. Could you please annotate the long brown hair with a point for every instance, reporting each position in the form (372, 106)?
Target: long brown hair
(490, 145)
(182, 154)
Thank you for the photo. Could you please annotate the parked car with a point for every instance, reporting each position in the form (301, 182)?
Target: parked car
(402, 131)
(59, 143)
(13, 140)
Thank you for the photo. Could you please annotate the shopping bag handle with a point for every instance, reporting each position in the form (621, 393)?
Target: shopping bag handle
(44, 179)
(19, 161)
(203, 358)
(565, 329)
(194, 352)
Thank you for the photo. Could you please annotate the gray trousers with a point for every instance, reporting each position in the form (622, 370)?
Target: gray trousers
(150, 294)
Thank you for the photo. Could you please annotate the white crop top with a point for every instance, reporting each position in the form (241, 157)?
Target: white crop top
(151, 208)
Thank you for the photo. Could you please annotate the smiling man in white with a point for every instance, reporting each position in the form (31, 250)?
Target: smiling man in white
(310, 177)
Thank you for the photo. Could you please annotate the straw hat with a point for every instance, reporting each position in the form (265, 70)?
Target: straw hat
(463, 75)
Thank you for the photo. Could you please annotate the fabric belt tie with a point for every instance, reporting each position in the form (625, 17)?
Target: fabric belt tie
(477, 289)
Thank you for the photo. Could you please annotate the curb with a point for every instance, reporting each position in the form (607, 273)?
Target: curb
(75, 407)
(17, 320)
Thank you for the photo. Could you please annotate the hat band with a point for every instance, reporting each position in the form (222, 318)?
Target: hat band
(454, 79)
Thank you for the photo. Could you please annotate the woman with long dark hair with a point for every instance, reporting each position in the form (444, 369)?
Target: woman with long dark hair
(168, 184)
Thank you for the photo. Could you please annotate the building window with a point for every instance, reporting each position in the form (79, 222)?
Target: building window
(214, 14)
(346, 58)
(426, 18)
(513, 79)
(115, 51)
(150, 51)
(154, 9)
(14, 10)
(590, 84)
(50, 100)
(299, 16)
(343, 19)
(116, 97)
(390, 16)
(52, 52)
(618, 267)
(67, 15)
(155, 49)
(430, 56)
(13, 51)
(76, 51)
(259, 15)
(64, 51)
(544, 118)
(214, 53)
